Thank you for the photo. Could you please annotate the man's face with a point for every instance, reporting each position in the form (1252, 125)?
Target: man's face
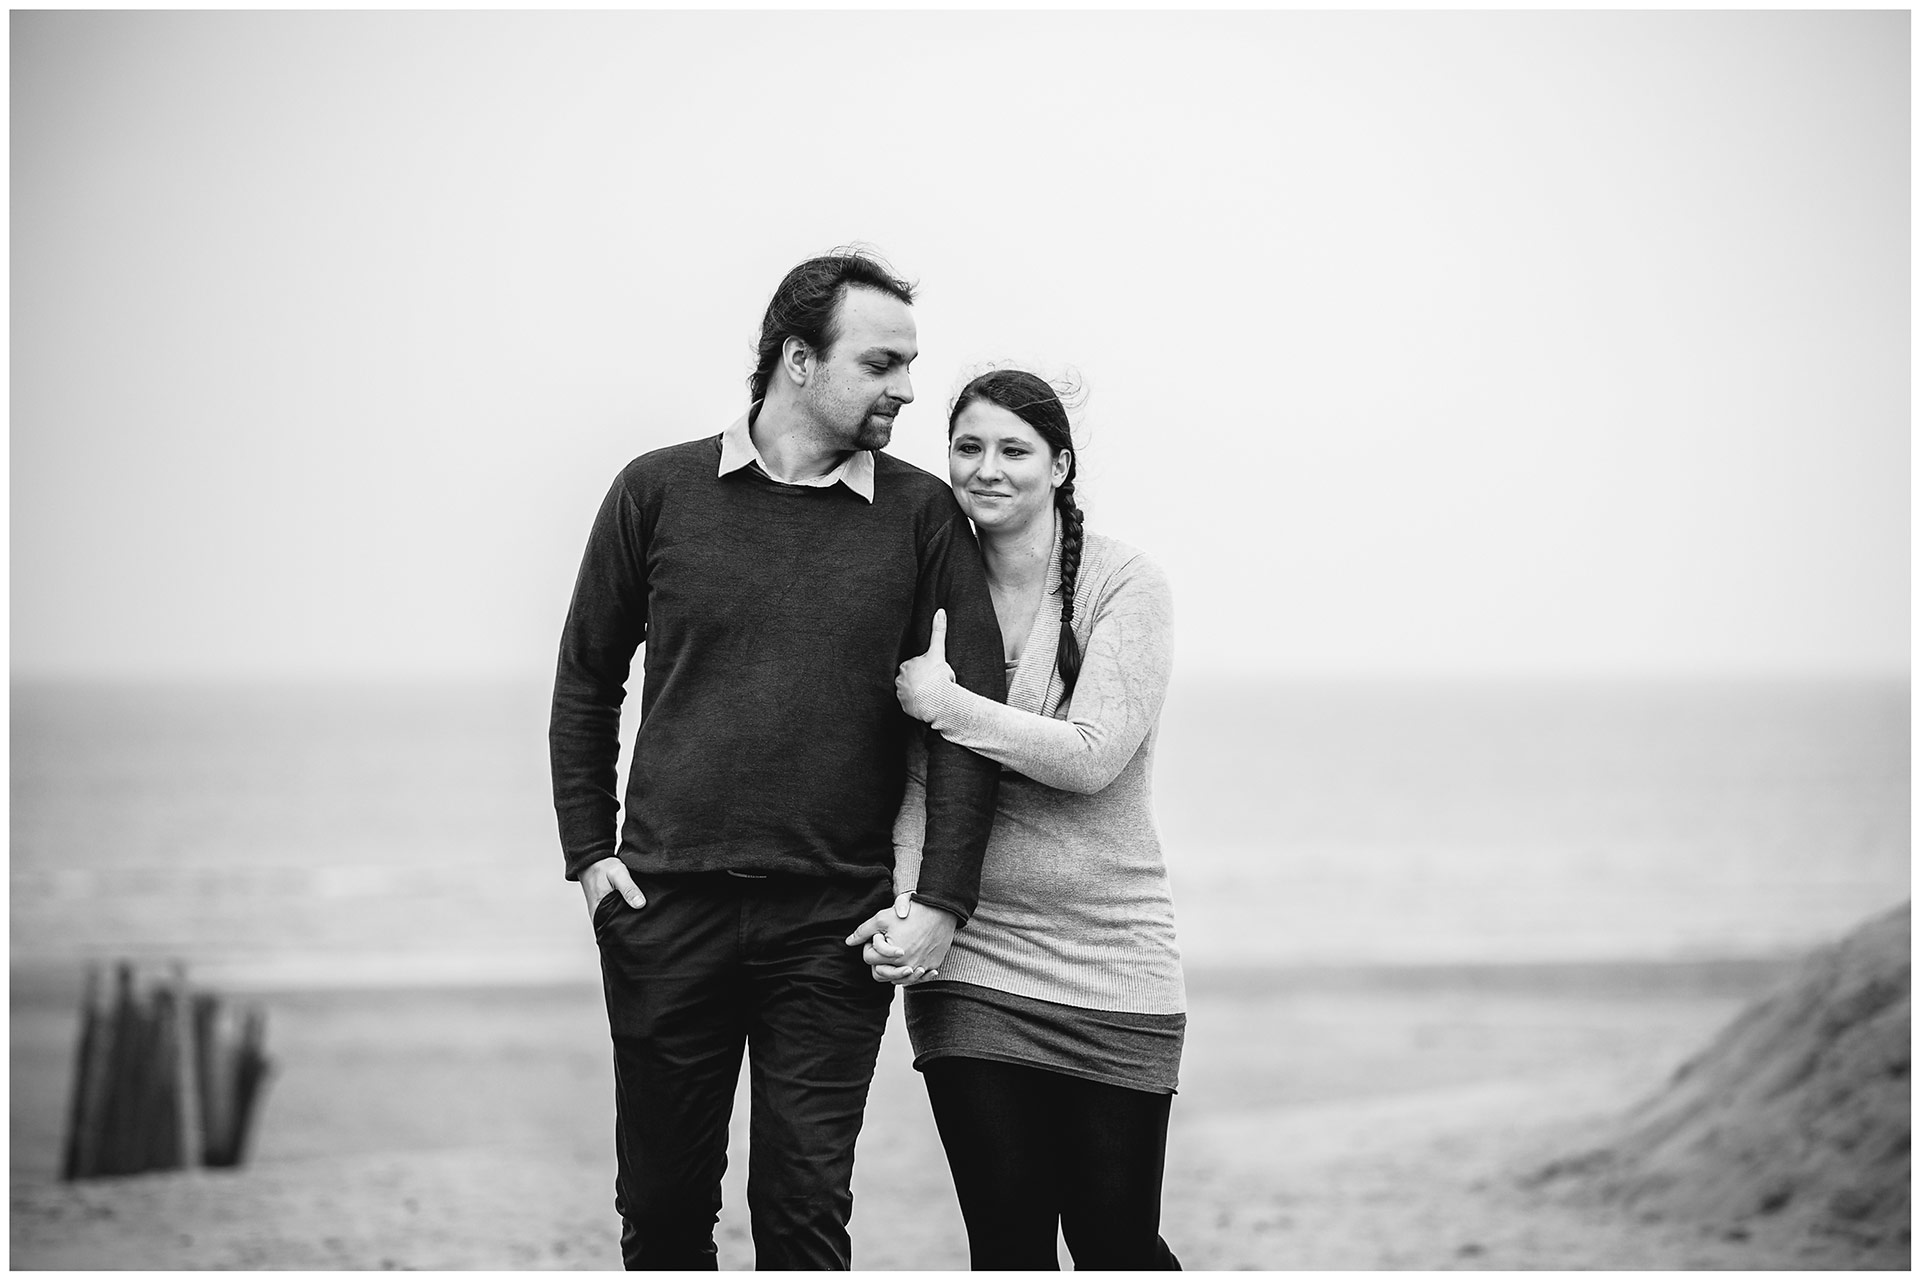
(860, 383)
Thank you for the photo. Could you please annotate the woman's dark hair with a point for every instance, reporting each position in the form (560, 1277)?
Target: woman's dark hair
(1034, 402)
(807, 306)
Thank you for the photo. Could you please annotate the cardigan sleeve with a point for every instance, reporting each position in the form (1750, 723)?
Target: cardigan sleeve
(1126, 663)
(910, 825)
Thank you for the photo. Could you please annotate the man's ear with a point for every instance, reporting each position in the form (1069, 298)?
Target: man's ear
(796, 360)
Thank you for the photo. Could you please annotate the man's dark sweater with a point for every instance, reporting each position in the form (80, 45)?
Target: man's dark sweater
(774, 618)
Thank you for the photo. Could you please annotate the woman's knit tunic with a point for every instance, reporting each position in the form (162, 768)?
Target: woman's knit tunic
(1075, 919)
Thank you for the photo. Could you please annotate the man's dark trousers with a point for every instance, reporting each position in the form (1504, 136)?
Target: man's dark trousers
(713, 963)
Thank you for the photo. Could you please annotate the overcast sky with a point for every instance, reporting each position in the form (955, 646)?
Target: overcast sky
(1415, 344)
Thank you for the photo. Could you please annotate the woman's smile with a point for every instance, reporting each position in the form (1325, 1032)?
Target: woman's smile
(1003, 473)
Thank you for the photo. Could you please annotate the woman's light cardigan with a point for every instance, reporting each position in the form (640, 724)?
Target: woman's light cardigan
(1075, 906)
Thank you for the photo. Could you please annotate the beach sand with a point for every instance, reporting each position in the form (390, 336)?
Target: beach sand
(1386, 1118)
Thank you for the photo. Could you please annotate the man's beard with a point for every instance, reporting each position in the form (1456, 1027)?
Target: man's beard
(865, 432)
(873, 434)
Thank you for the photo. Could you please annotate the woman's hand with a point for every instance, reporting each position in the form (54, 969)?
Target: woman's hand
(905, 943)
(922, 676)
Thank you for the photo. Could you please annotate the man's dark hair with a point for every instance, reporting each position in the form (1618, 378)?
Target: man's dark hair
(807, 305)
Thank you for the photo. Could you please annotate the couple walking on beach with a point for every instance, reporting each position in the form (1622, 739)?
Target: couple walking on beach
(894, 732)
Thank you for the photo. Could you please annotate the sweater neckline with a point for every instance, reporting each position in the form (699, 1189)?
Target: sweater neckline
(1035, 687)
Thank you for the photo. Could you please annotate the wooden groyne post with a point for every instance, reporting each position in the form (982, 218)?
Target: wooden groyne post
(161, 1081)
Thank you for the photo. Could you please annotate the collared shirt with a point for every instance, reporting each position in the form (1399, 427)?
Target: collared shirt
(737, 450)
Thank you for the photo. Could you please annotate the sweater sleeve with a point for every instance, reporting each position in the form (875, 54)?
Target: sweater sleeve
(606, 623)
(1124, 670)
(960, 785)
(910, 825)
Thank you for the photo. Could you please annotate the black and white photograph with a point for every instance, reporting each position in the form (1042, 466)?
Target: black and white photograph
(968, 639)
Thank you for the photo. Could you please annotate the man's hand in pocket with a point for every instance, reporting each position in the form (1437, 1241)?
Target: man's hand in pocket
(609, 876)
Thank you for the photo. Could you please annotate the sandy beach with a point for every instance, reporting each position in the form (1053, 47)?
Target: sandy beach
(1386, 1118)
(1462, 855)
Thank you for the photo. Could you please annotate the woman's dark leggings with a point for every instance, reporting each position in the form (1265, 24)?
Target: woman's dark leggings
(1037, 1153)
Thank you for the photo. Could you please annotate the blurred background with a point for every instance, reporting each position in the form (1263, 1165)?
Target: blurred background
(1518, 401)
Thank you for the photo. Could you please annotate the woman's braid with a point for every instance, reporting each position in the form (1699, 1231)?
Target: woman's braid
(1073, 529)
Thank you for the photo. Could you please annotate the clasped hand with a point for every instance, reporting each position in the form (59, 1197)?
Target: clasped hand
(920, 677)
(906, 942)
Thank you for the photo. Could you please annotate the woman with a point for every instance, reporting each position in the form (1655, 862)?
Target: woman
(1050, 1033)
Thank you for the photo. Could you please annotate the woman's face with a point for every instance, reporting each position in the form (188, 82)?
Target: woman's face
(1002, 472)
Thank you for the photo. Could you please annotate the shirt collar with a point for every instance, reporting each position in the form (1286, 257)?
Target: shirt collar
(737, 451)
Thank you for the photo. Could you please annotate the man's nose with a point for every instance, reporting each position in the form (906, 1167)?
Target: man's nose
(902, 389)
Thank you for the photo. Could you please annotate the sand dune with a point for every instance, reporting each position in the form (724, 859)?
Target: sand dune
(1793, 1126)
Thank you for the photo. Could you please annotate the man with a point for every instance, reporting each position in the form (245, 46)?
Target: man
(777, 574)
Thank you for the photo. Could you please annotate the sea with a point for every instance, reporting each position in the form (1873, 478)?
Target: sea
(300, 835)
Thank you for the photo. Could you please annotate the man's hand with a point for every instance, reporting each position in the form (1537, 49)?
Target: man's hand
(921, 676)
(609, 876)
(905, 942)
